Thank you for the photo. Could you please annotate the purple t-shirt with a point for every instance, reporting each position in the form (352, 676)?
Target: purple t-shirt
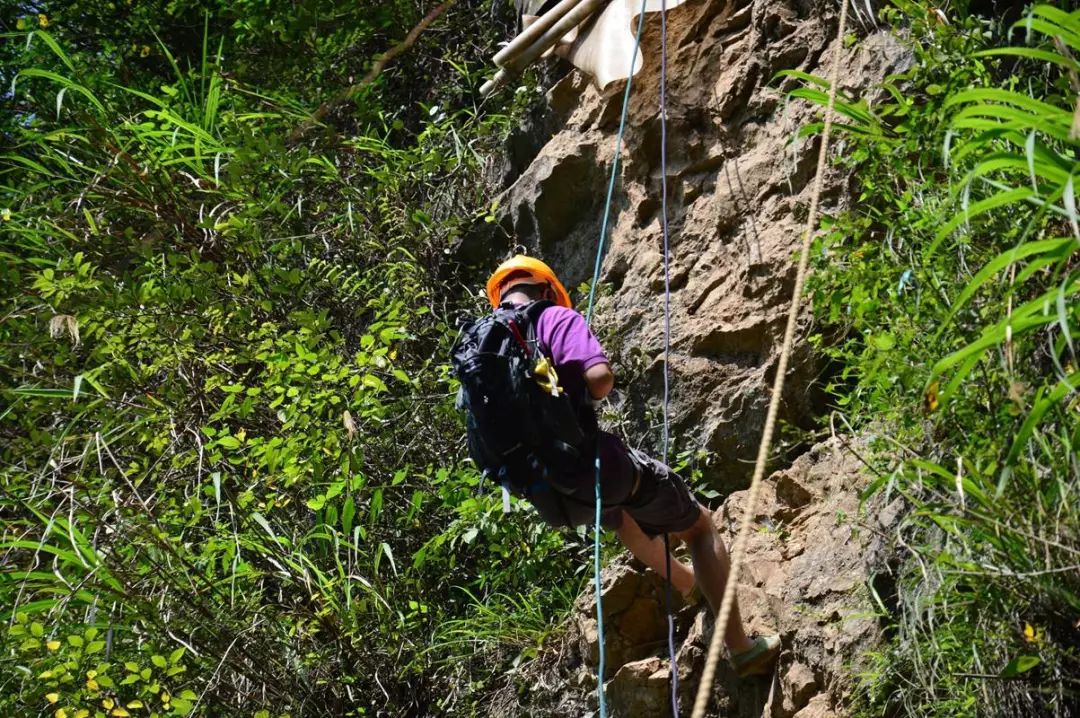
(566, 337)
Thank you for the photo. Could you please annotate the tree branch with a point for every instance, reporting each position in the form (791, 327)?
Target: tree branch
(380, 64)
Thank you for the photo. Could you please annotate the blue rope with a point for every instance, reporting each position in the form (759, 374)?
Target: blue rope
(615, 167)
(588, 320)
(667, 341)
(599, 601)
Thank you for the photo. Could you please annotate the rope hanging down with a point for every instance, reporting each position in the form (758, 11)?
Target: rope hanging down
(672, 657)
(739, 549)
(588, 319)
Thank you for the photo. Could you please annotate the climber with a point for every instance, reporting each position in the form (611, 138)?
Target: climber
(641, 497)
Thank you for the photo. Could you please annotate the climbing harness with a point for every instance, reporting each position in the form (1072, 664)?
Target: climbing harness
(588, 320)
(739, 549)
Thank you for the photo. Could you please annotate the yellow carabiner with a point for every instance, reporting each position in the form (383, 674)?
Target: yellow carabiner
(544, 373)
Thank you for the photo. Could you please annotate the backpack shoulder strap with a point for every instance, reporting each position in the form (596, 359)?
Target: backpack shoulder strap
(529, 312)
(533, 309)
(530, 317)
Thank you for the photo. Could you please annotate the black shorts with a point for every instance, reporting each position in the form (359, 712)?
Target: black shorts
(662, 503)
(631, 481)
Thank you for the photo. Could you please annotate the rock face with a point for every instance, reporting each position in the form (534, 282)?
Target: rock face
(737, 181)
(810, 569)
(737, 195)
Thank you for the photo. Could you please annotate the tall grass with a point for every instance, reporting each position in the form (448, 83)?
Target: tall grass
(951, 293)
(221, 426)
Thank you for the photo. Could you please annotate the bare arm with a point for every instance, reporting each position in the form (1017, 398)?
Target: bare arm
(600, 380)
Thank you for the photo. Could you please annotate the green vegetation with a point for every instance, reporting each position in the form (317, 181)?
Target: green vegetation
(230, 467)
(227, 437)
(949, 300)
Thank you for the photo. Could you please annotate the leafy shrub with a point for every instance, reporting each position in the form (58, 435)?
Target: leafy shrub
(949, 299)
(228, 439)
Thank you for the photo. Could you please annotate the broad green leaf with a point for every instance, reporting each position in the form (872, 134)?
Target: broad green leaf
(1057, 248)
(63, 81)
(42, 392)
(259, 519)
(993, 202)
(1020, 665)
(348, 512)
(55, 47)
(385, 549)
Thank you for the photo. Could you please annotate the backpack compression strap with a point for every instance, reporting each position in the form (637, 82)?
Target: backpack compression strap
(525, 320)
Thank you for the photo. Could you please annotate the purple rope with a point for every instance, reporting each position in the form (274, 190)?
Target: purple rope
(667, 337)
(671, 634)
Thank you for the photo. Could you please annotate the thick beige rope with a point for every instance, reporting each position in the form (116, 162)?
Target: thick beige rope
(738, 552)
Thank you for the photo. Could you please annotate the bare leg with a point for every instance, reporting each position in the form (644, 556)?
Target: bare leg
(650, 551)
(712, 566)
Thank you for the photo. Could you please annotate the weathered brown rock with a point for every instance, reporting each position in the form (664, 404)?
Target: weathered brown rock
(641, 688)
(738, 188)
(815, 597)
(799, 686)
(819, 707)
(634, 617)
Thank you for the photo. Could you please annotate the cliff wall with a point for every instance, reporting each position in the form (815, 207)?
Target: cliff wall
(738, 185)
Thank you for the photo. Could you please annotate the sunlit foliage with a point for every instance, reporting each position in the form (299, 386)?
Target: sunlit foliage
(231, 477)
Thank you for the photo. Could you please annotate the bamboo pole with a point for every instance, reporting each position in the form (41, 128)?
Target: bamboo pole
(500, 79)
(533, 32)
(577, 15)
(514, 62)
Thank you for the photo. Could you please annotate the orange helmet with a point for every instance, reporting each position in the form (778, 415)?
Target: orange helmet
(535, 268)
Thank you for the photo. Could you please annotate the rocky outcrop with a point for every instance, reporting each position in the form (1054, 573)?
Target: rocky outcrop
(814, 567)
(737, 183)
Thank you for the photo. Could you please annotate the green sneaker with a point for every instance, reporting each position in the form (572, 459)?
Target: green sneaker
(758, 659)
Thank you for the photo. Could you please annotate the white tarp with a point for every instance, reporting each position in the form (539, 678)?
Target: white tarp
(603, 46)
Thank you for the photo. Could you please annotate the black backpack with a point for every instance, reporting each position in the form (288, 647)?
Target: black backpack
(533, 441)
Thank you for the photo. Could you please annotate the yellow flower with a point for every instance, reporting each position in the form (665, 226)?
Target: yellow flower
(120, 713)
(135, 704)
(107, 703)
(1032, 634)
(5, 214)
(51, 645)
(43, 20)
(91, 685)
(61, 713)
(52, 697)
(20, 24)
(90, 675)
(145, 51)
(82, 713)
(931, 401)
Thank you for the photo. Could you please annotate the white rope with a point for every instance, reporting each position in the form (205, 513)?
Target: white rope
(738, 552)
